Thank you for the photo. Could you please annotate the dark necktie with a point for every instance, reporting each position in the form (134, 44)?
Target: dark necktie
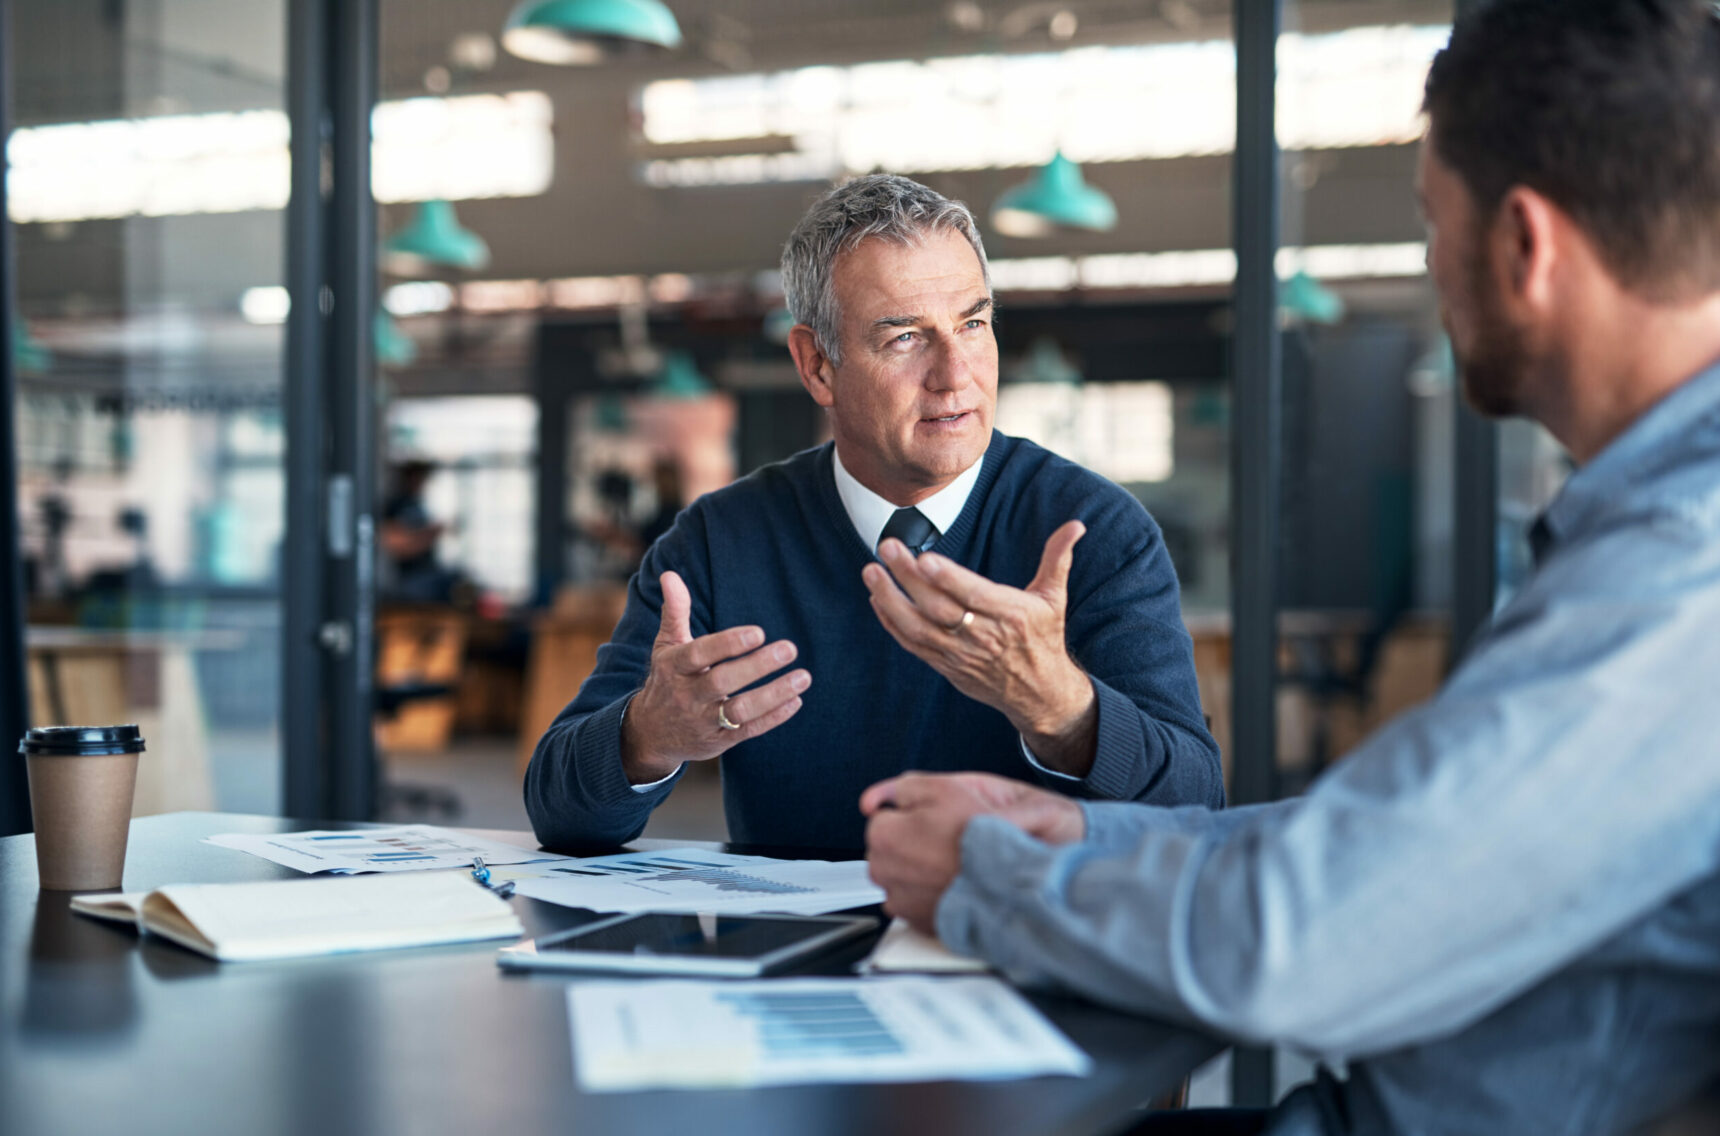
(911, 528)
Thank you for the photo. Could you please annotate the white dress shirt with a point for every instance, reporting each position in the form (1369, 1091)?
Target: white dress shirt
(870, 512)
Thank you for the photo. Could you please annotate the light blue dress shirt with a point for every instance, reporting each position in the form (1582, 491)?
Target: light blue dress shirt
(1502, 911)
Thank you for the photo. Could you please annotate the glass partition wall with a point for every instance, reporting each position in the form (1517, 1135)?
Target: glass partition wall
(1367, 474)
(148, 176)
(191, 449)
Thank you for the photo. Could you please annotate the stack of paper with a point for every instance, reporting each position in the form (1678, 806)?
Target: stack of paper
(903, 949)
(675, 1034)
(692, 879)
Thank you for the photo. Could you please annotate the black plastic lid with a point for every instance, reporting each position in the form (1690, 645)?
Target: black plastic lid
(76, 741)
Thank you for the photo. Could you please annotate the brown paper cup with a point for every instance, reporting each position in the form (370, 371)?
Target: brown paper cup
(82, 809)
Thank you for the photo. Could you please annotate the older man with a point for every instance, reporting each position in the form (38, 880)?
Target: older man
(1503, 910)
(1066, 666)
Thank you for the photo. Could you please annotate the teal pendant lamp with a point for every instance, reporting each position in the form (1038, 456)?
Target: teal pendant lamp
(434, 238)
(1046, 363)
(28, 356)
(778, 322)
(612, 416)
(394, 348)
(582, 32)
(1055, 197)
(1305, 298)
(680, 378)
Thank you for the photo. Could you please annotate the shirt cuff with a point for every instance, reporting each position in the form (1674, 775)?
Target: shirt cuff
(1010, 863)
(652, 786)
(1027, 752)
(649, 786)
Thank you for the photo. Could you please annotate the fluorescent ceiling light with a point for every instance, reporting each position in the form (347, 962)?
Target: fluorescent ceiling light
(455, 148)
(1361, 87)
(266, 305)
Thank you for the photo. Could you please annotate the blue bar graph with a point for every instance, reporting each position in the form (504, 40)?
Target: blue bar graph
(815, 1025)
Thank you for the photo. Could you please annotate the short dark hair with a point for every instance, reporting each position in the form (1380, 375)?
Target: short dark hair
(1610, 109)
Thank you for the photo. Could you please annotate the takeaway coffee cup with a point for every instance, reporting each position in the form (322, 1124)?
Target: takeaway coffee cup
(81, 783)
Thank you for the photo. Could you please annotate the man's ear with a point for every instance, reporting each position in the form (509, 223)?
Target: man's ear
(811, 364)
(1528, 235)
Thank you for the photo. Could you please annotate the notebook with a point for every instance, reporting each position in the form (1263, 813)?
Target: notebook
(291, 918)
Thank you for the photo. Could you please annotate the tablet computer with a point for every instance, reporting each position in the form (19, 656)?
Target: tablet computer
(727, 946)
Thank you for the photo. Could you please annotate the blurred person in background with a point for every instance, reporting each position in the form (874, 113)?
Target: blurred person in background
(670, 500)
(408, 536)
(1502, 912)
(1066, 666)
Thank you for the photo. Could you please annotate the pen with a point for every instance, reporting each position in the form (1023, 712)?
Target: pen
(482, 874)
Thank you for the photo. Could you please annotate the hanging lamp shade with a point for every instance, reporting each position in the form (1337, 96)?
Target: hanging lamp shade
(1307, 299)
(28, 356)
(1056, 196)
(778, 322)
(582, 32)
(394, 348)
(434, 238)
(611, 416)
(1045, 362)
(680, 378)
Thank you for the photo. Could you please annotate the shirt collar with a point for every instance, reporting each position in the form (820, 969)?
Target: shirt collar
(1660, 435)
(869, 512)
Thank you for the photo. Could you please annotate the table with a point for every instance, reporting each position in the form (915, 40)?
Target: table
(101, 1032)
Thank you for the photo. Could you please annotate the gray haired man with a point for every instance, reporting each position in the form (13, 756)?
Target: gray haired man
(922, 567)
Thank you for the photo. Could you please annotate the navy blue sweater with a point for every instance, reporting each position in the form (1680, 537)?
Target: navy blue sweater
(778, 550)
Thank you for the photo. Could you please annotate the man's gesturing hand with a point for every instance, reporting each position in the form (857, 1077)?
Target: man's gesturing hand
(999, 645)
(913, 839)
(680, 713)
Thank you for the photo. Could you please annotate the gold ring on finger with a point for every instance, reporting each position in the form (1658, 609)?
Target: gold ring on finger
(723, 716)
(962, 624)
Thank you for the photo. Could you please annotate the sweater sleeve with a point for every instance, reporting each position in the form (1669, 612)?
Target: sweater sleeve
(575, 790)
(1124, 628)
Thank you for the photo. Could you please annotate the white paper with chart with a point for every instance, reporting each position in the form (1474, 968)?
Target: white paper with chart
(693, 879)
(684, 1034)
(402, 848)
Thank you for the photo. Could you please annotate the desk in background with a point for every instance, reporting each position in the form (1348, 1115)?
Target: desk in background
(101, 1032)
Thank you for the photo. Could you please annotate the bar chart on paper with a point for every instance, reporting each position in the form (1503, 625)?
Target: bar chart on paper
(691, 879)
(696, 1034)
(813, 1023)
(397, 849)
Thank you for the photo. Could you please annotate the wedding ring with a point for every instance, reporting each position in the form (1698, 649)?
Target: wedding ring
(962, 624)
(723, 716)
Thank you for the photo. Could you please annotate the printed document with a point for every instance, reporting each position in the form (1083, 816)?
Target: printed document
(693, 879)
(904, 949)
(403, 848)
(683, 1034)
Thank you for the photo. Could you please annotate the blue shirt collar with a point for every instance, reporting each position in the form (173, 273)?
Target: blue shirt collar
(1634, 456)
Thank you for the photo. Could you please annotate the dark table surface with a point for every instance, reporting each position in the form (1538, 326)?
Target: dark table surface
(103, 1032)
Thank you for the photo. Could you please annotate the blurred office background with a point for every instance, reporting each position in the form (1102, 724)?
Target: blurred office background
(291, 276)
(578, 326)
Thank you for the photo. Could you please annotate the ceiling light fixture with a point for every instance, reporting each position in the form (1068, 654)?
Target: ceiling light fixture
(1056, 196)
(434, 238)
(583, 32)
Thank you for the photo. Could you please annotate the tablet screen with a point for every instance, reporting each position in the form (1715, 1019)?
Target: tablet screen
(698, 936)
